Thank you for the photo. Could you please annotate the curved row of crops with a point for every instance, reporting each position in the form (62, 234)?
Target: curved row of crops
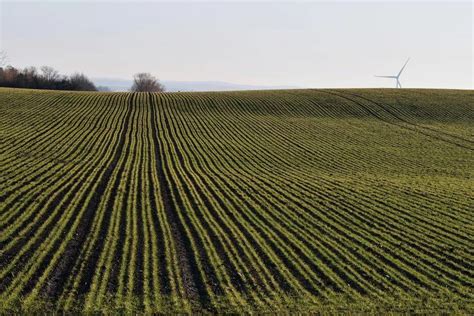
(237, 201)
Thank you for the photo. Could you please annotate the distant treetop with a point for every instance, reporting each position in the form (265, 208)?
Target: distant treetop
(145, 82)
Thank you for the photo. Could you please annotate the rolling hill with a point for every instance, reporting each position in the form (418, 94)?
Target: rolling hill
(122, 85)
(292, 200)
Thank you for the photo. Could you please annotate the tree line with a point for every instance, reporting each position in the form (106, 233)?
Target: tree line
(49, 78)
(44, 78)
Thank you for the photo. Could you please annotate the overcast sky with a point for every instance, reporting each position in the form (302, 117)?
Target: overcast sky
(311, 44)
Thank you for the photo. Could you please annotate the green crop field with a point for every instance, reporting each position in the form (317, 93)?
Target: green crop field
(332, 201)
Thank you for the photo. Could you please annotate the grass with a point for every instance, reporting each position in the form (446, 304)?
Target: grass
(311, 201)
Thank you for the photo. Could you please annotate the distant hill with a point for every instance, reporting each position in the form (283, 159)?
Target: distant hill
(173, 86)
(214, 86)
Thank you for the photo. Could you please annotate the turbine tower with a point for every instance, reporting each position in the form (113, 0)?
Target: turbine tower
(397, 77)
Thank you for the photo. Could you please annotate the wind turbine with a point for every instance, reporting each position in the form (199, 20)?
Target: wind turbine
(397, 77)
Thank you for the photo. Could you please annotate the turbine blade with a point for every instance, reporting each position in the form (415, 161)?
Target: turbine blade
(403, 68)
(399, 85)
(393, 77)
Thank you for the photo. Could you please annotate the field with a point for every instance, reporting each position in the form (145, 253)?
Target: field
(292, 200)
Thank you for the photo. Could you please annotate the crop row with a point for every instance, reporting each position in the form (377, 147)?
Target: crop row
(232, 200)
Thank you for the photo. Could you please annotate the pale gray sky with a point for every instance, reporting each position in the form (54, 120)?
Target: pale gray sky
(304, 44)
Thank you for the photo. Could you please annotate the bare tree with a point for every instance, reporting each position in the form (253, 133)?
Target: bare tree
(3, 59)
(50, 74)
(81, 82)
(30, 76)
(145, 82)
(30, 72)
(10, 74)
